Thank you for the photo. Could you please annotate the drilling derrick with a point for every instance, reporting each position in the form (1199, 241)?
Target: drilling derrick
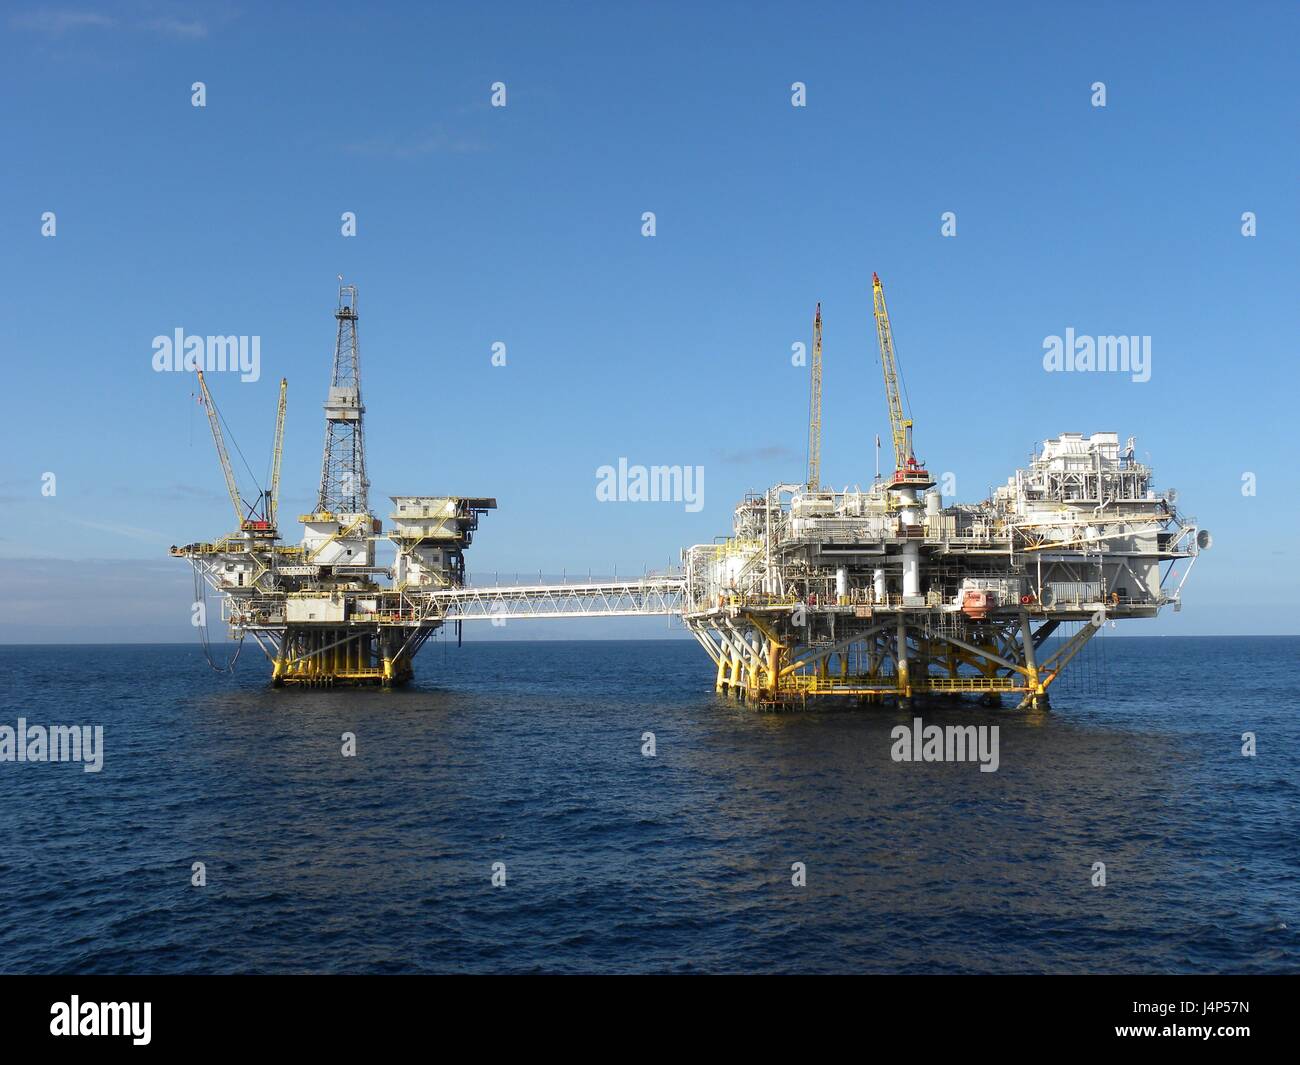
(326, 612)
(337, 535)
(343, 484)
(884, 594)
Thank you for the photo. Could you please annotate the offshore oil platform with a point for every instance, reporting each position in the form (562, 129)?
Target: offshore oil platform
(887, 593)
(890, 593)
(324, 611)
(317, 608)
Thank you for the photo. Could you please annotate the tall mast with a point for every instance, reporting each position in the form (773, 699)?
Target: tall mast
(344, 487)
(815, 408)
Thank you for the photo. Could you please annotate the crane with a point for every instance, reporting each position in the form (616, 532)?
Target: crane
(815, 408)
(277, 449)
(215, 422)
(250, 518)
(908, 472)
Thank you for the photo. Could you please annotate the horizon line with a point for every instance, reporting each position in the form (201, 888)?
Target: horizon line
(650, 639)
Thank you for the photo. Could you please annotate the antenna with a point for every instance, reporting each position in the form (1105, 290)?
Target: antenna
(815, 408)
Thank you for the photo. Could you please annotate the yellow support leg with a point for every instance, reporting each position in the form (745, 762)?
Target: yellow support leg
(904, 680)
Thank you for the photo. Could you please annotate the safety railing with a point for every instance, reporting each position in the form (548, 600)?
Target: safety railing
(970, 684)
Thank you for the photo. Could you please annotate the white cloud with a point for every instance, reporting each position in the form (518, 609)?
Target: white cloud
(191, 29)
(427, 142)
(149, 536)
(58, 21)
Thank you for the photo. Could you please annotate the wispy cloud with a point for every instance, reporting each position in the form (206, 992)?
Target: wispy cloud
(190, 29)
(770, 453)
(431, 141)
(58, 21)
(150, 536)
(192, 491)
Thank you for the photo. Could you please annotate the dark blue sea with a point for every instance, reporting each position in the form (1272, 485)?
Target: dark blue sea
(530, 754)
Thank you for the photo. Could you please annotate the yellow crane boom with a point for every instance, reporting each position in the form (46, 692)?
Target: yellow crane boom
(815, 408)
(277, 449)
(219, 440)
(907, 471)
(900, 425)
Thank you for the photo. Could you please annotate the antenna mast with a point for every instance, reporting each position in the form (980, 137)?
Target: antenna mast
(815, 408)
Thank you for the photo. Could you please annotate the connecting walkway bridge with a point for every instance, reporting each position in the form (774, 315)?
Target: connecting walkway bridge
(590, 599)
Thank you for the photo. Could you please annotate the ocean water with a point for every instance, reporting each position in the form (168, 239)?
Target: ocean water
(529, 754)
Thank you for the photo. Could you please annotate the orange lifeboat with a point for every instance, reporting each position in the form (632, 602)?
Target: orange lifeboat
(975, 603)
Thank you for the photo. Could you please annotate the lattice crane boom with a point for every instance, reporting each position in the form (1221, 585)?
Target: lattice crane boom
(815, 407)
(907, 471)
(277, 450)
(898, 423)
(215, 422)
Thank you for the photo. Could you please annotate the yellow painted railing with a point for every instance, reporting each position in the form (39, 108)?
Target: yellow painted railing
(969, 684)
(811, 684)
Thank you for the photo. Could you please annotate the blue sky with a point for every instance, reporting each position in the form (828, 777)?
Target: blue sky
(522, 225)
